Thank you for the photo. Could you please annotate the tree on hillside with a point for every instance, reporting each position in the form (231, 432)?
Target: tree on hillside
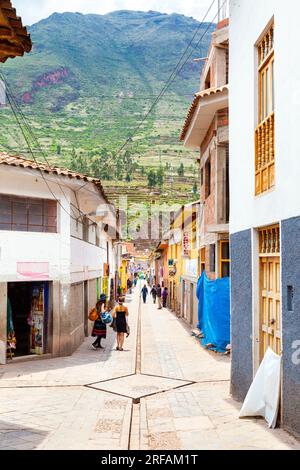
(152, 179)
(58, 149)
(128, 178)
(102, 165)
(160, 176)
(79, 163)
(180, 170)
(195, 189)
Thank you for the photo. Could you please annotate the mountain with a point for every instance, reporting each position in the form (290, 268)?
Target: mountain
(89, 81)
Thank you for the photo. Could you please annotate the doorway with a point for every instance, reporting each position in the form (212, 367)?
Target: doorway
(86, 308)
(28, 317)
(270, 291)
(191, 304)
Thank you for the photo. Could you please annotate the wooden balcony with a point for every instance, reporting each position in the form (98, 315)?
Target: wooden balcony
(265, 155)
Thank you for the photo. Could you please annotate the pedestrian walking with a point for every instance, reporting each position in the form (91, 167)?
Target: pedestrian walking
(165, 297)
(120, 316)
(145, 293)
(159, 296)
(99, 329)
(154, 294)
(129, 286)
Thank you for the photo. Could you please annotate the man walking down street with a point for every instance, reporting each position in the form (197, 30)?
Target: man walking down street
(159, 296)
(145, 293)
(165, 297)
(154, 294)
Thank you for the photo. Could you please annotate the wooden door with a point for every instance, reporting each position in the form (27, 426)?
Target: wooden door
(270, 304)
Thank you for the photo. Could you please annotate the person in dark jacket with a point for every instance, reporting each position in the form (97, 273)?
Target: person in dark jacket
(99, 329)
(145, 293)
(154, 294)
(159, 296)
(165, 297)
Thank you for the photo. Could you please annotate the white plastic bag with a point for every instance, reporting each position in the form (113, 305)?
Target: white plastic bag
(264, 394)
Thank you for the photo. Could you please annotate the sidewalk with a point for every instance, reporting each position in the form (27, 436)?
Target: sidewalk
(163, 392)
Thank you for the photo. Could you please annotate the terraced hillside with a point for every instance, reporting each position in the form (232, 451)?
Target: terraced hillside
(86, 86)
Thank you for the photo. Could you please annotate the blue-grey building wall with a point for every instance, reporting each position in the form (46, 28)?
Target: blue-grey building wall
(241, 314)
(290, 247)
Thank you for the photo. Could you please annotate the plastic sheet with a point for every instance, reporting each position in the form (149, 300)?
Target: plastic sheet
(214, 312)
(264, 394)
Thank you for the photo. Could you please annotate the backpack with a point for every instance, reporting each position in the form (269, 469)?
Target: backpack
(93, 315)
(106, 317)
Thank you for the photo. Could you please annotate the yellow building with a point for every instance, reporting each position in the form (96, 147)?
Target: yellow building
(184, 263)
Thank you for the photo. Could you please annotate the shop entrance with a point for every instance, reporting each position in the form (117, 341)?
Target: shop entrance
(27, 318)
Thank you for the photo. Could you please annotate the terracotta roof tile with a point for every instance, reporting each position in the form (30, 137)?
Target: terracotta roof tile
(14, 38)
(16, 161)
(194, 105)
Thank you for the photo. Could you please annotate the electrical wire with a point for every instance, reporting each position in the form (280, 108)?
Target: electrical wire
(178, 68)
(12, 100)
(172, 77)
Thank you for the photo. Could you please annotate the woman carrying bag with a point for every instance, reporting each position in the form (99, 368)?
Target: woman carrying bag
(120, 316)
(99, 329)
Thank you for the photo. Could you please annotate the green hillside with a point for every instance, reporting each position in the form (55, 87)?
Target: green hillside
(88, 82)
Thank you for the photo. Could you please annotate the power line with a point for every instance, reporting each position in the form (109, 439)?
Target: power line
(12, 102)
(177, 69)
(171, 79)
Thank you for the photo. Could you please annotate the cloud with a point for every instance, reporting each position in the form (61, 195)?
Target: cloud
(35, 10)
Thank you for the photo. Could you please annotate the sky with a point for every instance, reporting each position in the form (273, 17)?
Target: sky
(32, 11)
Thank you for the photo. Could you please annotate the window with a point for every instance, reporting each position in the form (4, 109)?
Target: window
(207, 178)
(208, 80)
(224, 259)
(194, 228)
(27, 214)
(212, 258)
(86, 229)
(202, 260)
(264, 133)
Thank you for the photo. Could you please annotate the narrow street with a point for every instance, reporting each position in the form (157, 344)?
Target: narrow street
(163, 392)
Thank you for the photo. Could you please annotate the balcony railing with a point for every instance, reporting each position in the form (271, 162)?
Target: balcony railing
(265, 155)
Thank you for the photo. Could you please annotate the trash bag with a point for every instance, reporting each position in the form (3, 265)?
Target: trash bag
(264, 394)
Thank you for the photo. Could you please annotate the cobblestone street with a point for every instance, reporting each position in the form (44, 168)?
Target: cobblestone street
(163, 392)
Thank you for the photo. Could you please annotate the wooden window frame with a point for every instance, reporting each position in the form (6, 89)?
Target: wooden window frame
(265, 130)
(212, 258)
(202, 260)
(207, 171)
(222, 260)
(48, 213)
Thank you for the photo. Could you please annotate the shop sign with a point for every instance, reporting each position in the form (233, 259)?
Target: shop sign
(33, 271)
(186, 245)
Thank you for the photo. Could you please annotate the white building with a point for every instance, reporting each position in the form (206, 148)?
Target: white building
(265, 201)
(56, 255)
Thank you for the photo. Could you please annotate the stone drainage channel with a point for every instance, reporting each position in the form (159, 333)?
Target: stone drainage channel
(137, 386)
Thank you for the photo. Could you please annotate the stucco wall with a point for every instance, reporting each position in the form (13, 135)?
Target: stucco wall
(241, 314)
(290, 235)
(248, 21)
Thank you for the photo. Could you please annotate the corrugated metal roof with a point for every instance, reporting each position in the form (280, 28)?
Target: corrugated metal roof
(21, 162)
(198, 97)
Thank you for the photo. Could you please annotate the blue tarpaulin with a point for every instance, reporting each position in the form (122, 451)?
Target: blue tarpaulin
(214, 312)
